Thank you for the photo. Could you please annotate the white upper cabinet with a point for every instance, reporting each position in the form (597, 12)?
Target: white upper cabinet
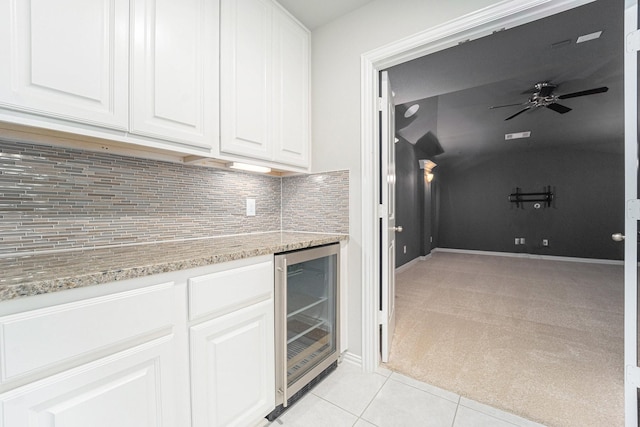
(174, 87)
(246, 77)
(66, 59)
(264, 83)
(291, 90)
(136, 71)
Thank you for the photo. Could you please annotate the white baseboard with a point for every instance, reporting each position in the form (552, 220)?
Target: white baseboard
(411, 263)
(530, 256)
(351, 358)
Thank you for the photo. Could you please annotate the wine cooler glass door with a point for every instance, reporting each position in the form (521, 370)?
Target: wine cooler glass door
(311, 313)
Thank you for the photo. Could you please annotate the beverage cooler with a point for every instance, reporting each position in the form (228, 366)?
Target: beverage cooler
(307, 307)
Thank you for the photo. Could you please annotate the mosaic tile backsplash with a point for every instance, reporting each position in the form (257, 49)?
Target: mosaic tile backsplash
(318, 202)
(54, 198)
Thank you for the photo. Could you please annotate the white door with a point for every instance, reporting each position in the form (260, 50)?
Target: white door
(388, 217)
(61, 66)
(632, 209)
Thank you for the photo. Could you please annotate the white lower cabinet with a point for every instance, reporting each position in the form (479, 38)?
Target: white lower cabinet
(117, 359)
(232, 344)
(233, 365)
(133, 388)
(187, 348)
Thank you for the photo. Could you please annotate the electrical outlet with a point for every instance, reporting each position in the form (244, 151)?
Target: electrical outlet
(545, 242)
(405, 249)
(251, 207)
(522, 240)
(517, 240)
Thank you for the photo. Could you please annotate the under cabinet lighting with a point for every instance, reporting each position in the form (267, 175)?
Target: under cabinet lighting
(250, 168)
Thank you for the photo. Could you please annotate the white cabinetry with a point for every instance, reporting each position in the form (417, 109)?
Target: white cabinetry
(232, 355)
(186, 348)
(135, 71)
(101, 361)
(59, 65)
(174, 83)
(129, 389)
(264, 83)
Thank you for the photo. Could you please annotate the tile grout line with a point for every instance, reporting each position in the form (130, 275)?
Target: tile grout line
(373, 398)
(455, 414)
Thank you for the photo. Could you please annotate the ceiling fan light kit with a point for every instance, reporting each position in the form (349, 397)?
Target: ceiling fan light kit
(544, 96)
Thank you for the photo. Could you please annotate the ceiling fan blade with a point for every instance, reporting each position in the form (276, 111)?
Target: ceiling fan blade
(506, 105)
(517, 114)
(584, 92)
(558, 108)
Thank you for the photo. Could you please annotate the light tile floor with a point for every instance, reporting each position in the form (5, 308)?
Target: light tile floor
(351, 398)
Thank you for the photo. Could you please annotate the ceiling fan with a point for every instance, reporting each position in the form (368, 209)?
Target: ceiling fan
(544, 97)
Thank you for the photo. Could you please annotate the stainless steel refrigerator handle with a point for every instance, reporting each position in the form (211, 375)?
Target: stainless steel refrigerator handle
(283, 300)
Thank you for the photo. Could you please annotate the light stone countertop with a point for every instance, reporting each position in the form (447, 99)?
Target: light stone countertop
(25, 275)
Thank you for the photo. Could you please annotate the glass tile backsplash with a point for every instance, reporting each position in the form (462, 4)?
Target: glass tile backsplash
(54, 198)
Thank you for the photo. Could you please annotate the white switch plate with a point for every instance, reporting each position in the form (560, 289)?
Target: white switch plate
(251, 207)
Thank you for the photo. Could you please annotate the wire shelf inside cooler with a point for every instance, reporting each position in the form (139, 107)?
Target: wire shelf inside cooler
(298, 302)
(309, 343)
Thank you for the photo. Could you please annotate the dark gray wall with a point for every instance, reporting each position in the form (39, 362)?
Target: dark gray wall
(409, 203)
(588, 207)
(415, 208)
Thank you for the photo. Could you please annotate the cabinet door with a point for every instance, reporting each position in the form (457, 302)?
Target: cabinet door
(233, 368)
(133, 388)
(59, 65)
(291, 90)
(175, 70)
(245, 78)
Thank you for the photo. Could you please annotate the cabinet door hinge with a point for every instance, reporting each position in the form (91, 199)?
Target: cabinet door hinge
(380, 104)
(381, 211)
(381, 318)
(633, 209)
(633, 41)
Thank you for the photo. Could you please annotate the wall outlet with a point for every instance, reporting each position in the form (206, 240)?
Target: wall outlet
(545, 242)
(405, 249)
(517, 240)
(522, 240)
(251, 207)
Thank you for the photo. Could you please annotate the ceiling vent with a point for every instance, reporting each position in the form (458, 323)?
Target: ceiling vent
(587, 37)
(517, 135)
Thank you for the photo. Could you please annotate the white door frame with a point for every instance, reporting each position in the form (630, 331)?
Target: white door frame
(506, 14)
(632, 373)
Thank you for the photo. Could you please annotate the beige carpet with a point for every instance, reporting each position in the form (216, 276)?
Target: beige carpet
(541, 339)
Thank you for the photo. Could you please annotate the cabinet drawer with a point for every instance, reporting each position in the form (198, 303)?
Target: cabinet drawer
(228, 290)
(70, 334)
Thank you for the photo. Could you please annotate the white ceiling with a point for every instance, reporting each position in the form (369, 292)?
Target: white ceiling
(315, 13)
(458, 86)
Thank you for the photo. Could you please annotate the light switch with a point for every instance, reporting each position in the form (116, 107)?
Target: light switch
(251, 207)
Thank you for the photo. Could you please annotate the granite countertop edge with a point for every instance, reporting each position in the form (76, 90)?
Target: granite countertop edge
(29, 287)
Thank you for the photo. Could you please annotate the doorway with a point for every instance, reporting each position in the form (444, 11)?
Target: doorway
(491, 19)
